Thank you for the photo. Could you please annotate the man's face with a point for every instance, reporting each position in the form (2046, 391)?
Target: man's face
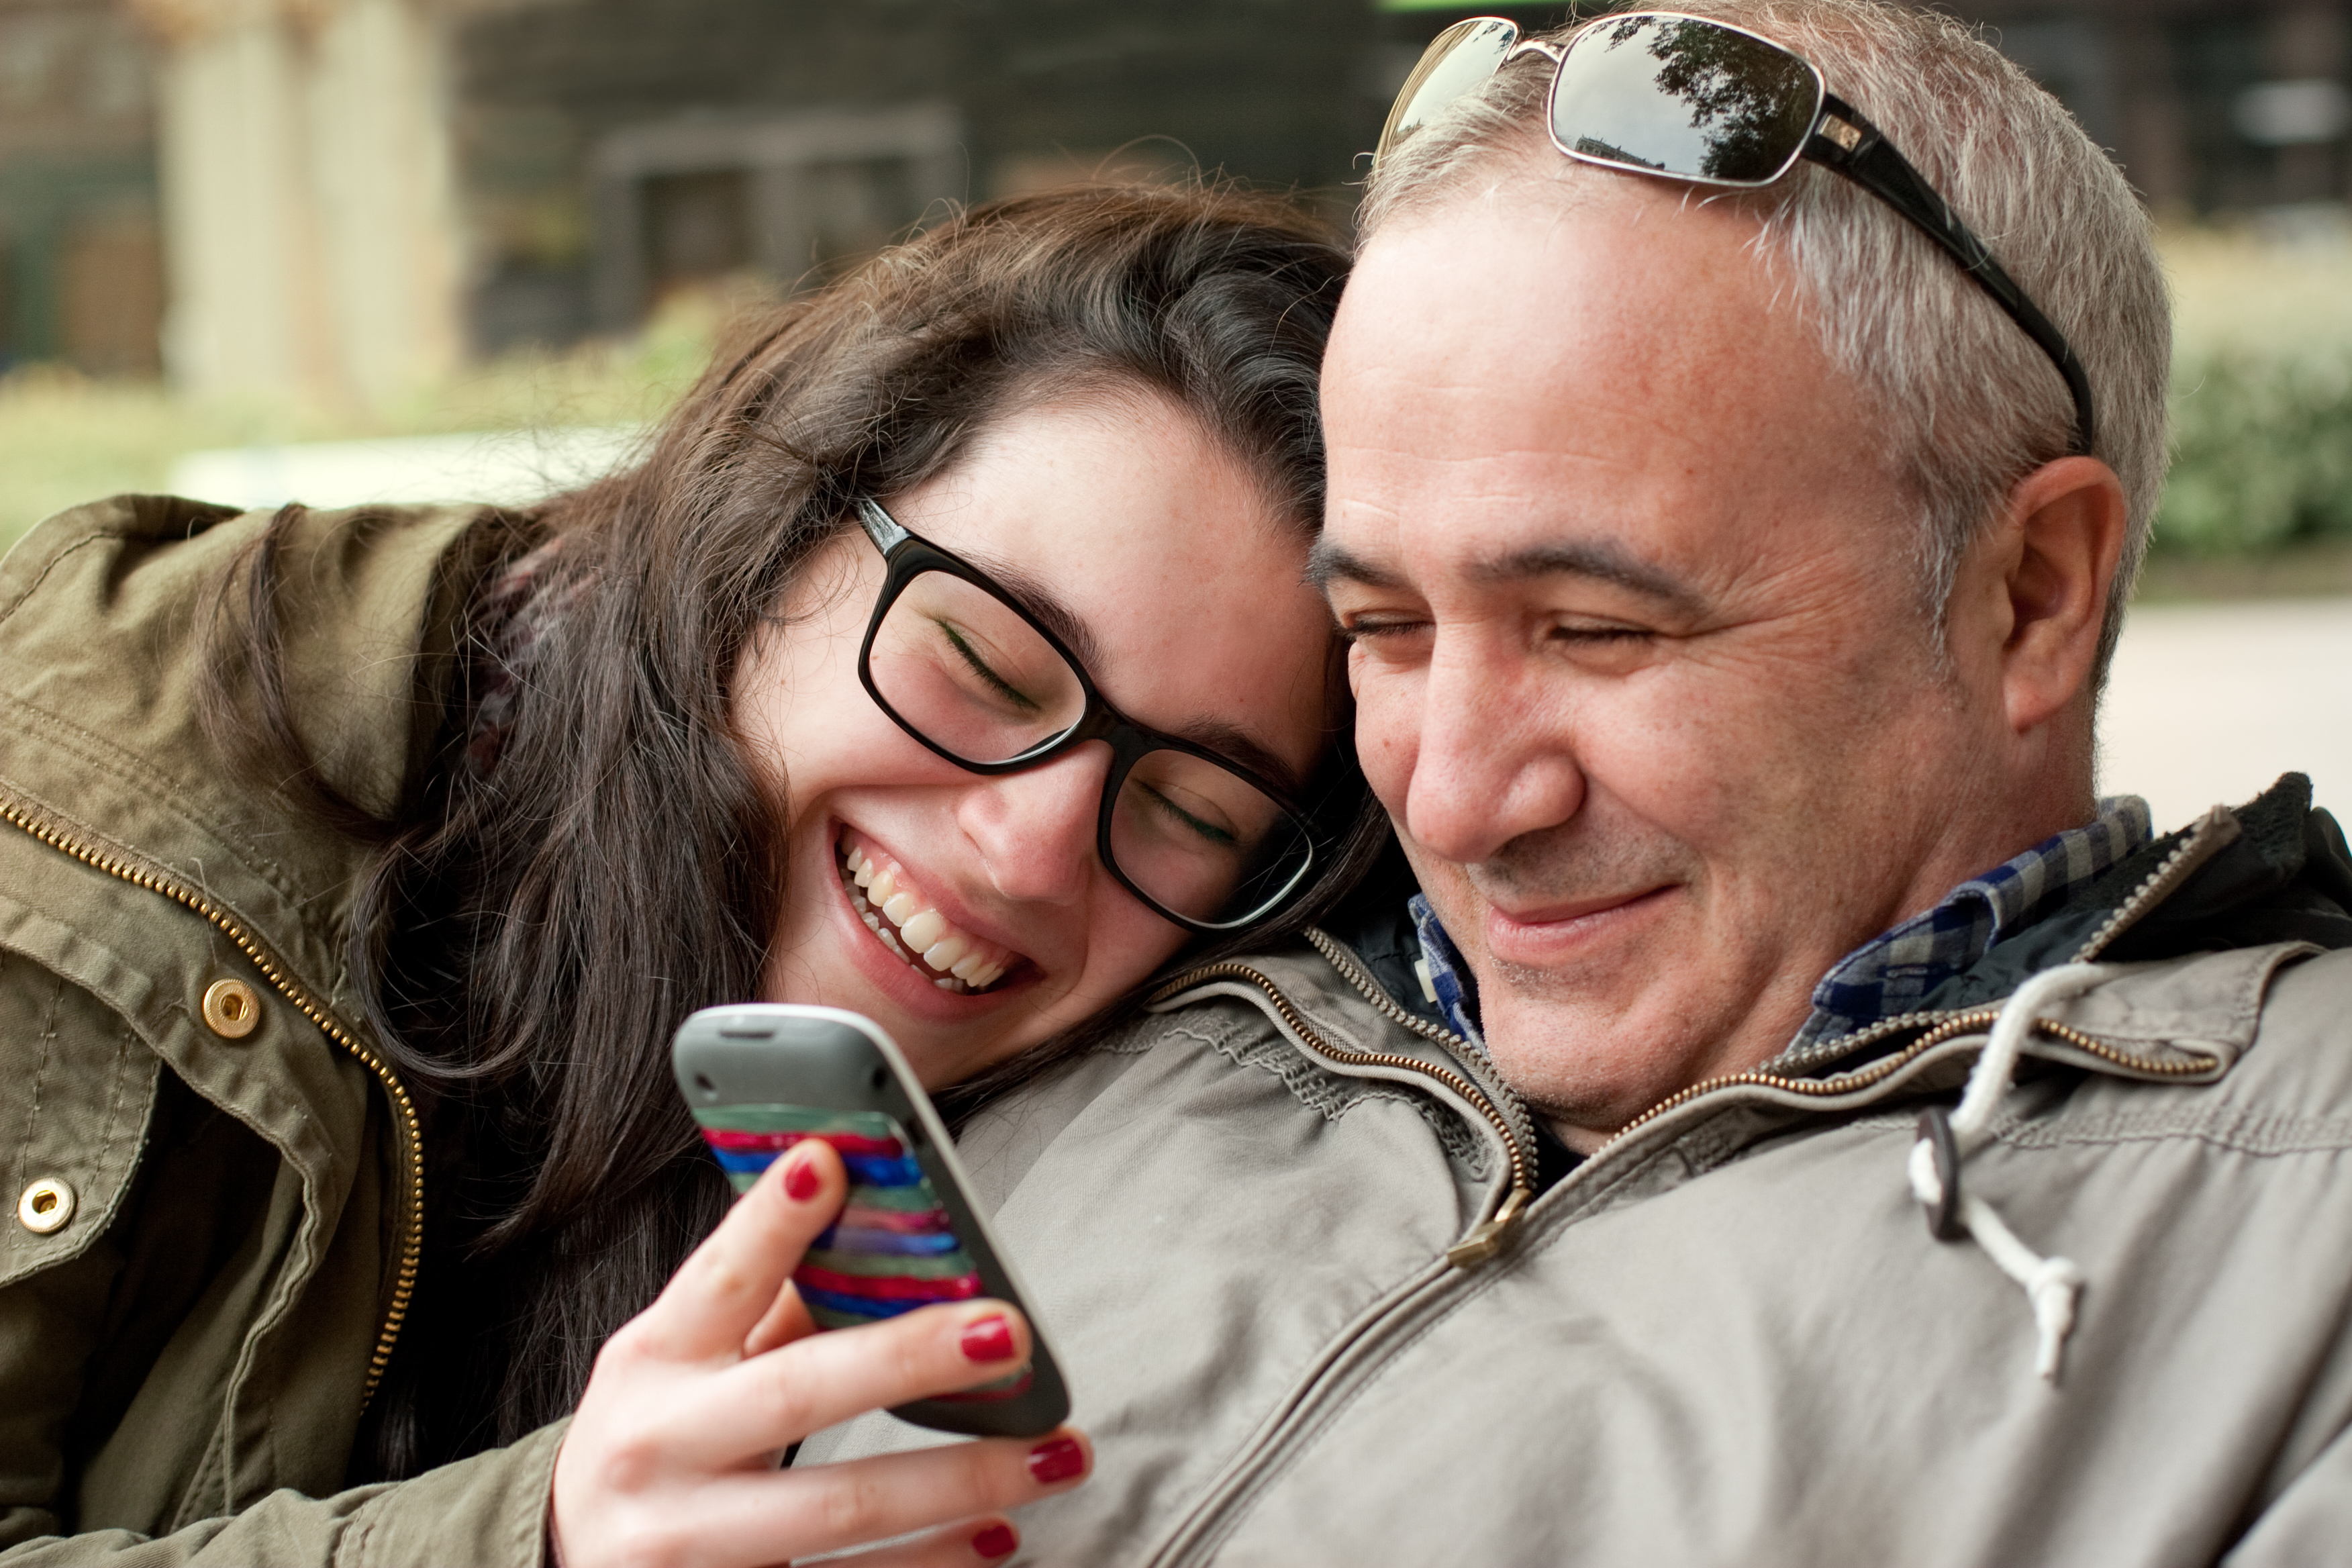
(1642, 671)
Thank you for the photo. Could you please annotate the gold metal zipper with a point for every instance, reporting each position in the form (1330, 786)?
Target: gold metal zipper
(411, 1133)
(1943, 1026)
(1486, 1239)
(2210, 838)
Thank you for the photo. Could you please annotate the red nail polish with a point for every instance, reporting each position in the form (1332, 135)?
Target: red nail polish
(1056, 1459)
(989, 1339)
(997, 1541)
(801, 1181)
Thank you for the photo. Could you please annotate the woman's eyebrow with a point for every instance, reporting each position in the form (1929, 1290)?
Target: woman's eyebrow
(1227, 741)
(1049, 611)
(1237, 746)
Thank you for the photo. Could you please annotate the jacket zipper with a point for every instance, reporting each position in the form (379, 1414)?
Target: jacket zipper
(1938, 1026)
(2207, 839)
(1487, 1238)
(410, 1134)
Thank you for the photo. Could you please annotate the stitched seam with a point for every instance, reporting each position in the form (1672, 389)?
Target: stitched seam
(1331, 1096)
(40, 1082)
(56, 561)
(122, 1060)
(158, 790)
(2335, 1138)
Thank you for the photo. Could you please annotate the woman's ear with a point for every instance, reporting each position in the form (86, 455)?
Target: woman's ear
(2057, 550)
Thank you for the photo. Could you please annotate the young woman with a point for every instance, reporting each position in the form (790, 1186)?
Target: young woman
(948, 658)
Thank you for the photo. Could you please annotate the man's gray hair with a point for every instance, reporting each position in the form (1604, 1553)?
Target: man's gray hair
(1972, 405)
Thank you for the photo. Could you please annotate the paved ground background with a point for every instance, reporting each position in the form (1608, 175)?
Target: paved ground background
(2212, 703)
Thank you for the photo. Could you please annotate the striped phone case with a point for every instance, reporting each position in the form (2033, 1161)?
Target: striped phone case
(893, 1250)
(761, 1077)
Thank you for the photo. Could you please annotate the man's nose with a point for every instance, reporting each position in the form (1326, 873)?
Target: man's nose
(1494, 757)
(1036, 829)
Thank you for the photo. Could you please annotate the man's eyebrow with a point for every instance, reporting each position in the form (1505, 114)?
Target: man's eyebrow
(1602, 560)
(1327, 562)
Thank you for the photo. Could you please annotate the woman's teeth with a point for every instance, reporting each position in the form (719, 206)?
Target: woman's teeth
(894, 909)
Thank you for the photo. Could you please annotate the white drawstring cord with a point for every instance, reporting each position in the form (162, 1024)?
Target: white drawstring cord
(2050, 1284)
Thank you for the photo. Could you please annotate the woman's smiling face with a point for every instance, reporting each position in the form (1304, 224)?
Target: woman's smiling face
(1185, 586)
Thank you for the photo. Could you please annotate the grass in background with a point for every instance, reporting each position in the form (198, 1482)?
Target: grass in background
(67, 438)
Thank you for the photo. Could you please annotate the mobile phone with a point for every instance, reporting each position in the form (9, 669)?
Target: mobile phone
(762, 1077)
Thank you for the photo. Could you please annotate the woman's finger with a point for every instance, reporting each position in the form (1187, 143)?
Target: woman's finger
(957, 1545)
(779, 1399)
(731, 1282)
(828, 1507)
(787, 1321)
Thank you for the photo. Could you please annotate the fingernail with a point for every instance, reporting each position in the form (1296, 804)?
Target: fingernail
(800, 1182)
(1056, 1459)
(989, 1339)
(996, 1541)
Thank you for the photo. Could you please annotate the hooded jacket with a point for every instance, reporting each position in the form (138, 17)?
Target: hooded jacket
(1286, 1242)
(213, 1178)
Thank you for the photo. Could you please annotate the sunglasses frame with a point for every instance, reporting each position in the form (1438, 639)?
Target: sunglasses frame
(906, 555)
(1840, 139)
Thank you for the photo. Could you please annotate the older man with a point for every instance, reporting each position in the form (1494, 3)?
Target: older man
(1730, 565)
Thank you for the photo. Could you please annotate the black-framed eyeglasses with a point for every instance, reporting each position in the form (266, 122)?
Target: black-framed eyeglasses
(964, 667)
(1692, 98)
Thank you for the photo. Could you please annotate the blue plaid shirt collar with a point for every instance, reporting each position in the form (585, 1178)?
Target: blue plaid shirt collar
(1895, 971)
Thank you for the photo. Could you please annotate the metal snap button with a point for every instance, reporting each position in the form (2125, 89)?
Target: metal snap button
(46, 1207)
(232, 1008)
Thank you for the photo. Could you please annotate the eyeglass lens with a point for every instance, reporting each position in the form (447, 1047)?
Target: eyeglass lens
(973, 676)
(1455, 62)
(1690, 98)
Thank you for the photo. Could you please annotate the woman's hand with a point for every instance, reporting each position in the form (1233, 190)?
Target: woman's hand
(671, 1457)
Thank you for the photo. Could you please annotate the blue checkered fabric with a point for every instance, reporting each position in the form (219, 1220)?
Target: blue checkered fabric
(1895, 971)
(1449, 977)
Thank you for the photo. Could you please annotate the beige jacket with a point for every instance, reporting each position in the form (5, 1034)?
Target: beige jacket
(1730, 1337)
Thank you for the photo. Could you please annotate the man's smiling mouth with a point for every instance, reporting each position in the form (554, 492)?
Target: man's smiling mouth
(895, 910)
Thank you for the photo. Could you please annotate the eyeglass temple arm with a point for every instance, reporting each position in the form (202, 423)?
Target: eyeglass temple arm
(1844, 141)
(879, 525)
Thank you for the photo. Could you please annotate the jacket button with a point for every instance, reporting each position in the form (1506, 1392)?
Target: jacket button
(232, 1008)
(46, 1207)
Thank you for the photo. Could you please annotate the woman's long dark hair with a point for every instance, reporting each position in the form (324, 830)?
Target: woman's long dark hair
(583, 857)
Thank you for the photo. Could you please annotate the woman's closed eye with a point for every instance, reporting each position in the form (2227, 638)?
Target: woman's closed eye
(1166, 804)
(986, 673)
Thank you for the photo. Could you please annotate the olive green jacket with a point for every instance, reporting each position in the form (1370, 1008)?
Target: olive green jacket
(212, 1215)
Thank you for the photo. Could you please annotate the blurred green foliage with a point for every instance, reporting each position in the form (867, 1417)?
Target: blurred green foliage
(2261, 451)
(2261, 396)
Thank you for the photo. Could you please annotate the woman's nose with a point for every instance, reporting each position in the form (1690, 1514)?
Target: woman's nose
(1036, 829)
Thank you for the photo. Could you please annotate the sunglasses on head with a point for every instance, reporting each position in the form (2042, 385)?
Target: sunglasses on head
(1690, 98)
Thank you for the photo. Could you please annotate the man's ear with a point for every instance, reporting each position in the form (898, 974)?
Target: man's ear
(2058, 549)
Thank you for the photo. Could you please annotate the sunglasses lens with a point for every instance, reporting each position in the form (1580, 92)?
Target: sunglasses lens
(1455, 62)
(1691, 99)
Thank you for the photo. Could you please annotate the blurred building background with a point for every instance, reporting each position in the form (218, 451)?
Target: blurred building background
(345, 198)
